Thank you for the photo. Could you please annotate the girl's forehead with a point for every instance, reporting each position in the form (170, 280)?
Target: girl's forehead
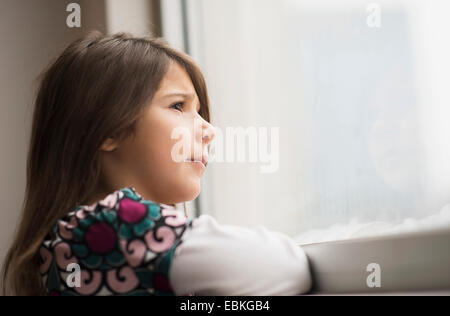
(176, 74)
(176, 82)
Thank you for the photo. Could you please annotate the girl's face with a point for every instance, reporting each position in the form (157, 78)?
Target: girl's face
(154, 161)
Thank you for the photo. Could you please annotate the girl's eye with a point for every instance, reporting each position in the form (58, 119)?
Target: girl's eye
(178, 106)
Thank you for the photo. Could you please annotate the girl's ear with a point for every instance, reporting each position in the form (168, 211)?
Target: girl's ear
(109, 145)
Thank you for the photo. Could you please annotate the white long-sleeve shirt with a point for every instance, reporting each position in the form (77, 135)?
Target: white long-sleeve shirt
(126, 245)
(216, 259)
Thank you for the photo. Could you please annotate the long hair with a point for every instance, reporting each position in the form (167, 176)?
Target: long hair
(96, 88)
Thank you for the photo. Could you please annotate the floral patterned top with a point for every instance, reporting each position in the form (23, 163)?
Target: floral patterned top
(123, 245)
(126, 245)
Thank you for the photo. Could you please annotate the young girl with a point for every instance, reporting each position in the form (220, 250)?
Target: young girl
(102, 182)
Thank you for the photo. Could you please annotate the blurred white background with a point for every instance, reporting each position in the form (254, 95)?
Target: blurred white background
(362, 110)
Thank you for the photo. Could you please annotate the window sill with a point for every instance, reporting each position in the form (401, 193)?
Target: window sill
(409, 263)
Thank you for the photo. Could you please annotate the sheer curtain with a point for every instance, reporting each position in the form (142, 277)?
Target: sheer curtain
(361, 111)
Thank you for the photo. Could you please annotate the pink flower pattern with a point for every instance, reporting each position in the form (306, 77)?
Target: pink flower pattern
(123, 245)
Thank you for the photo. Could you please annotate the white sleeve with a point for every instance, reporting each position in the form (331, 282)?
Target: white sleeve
(228, 260)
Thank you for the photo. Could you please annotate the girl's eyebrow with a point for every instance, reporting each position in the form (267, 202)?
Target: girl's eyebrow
(179, 94)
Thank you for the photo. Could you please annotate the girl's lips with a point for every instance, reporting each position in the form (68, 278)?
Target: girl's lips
(197, 164)
(203, 160)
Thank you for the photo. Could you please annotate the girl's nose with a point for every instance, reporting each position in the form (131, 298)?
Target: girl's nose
(208, 134)
(204, 131)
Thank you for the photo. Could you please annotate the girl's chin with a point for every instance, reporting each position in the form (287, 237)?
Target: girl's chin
(190, 190)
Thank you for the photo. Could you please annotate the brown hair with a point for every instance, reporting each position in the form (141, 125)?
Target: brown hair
(96, 88)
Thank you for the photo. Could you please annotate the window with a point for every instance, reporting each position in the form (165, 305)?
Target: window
(361, 110)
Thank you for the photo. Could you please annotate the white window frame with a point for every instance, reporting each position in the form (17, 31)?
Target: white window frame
(409, 262)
